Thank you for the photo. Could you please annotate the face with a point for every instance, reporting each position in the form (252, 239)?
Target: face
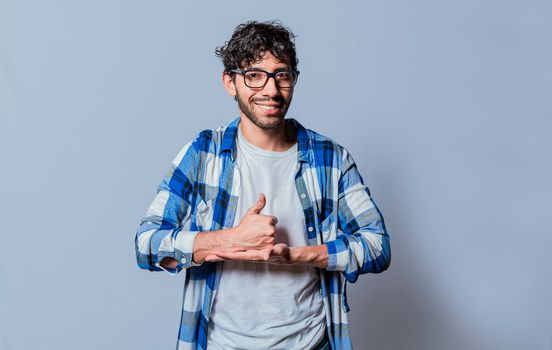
(265, 107)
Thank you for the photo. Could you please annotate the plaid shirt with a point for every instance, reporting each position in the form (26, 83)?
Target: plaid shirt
(200, 193)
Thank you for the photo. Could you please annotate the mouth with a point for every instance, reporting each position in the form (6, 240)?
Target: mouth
(268, 107)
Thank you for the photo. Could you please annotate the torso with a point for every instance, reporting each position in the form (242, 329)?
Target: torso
(258, 305)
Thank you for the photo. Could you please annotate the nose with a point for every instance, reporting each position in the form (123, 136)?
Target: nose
(270, 88)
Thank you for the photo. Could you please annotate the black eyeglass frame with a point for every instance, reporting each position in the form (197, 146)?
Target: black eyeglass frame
(269, 75)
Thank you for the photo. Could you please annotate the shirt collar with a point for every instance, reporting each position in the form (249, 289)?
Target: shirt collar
(304, 143)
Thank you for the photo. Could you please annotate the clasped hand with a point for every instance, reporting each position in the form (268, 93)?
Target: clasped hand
(253, 239)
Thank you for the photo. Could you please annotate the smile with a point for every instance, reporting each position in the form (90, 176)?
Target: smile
(268, 107)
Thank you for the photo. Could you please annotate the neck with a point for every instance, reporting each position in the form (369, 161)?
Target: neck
(279, 139)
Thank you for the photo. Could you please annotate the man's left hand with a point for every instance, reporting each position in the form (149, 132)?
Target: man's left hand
(277, 254)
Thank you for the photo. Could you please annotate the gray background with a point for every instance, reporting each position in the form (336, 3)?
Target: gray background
(444, 105)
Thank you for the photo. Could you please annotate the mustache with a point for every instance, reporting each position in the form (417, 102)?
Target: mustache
(267, 99)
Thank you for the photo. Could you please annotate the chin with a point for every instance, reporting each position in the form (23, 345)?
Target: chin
(268, 122)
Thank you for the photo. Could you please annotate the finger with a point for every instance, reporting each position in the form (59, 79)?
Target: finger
(259, 205)
(223, 255)
(213, 258)
(248, 255)
(228, 255)
(270, 219)
(280, 250)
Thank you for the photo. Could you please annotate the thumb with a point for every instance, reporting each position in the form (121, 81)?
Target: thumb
(259, 205)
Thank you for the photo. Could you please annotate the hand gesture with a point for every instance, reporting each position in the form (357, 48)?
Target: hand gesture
(277, 254)
(255, 231)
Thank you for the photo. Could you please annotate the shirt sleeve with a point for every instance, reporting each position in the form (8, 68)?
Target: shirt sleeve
(362, 244)
(161, 232)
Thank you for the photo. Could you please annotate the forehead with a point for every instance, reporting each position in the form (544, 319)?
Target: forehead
(268, 62)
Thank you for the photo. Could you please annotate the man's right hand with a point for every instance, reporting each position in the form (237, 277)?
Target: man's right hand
(255, 231)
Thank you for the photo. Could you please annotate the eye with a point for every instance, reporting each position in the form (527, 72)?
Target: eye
(254, 75)
(285, 75)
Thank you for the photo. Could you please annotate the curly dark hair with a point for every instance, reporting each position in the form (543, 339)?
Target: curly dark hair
(251, 40)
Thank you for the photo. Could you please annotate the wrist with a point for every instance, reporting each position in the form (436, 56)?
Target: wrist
(228, 240)
(295, 255)
(209, 242)
(309, 255)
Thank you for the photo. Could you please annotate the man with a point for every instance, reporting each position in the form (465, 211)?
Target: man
(269, 219)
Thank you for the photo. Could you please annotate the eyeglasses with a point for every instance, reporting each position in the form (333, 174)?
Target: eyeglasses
(257, 78)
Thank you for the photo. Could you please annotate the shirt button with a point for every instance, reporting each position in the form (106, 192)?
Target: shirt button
(310, 229)
(303, 195)
(183, 260)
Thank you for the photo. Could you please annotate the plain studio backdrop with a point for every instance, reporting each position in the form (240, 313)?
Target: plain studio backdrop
(445, 105)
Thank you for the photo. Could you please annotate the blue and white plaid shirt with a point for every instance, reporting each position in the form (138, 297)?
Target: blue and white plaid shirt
(200, 193)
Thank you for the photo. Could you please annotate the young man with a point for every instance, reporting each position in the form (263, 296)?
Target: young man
(269, 219)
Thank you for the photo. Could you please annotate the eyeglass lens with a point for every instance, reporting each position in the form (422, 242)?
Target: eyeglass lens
(257, 79)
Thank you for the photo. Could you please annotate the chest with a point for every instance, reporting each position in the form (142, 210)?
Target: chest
(221, 181)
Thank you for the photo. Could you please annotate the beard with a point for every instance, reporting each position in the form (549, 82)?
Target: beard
(263, 122)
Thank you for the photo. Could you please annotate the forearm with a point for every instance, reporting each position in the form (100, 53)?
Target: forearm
(155, 244)
(364, 252)
(205, 243)
(309, 255)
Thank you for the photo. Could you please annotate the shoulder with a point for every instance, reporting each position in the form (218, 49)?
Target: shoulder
(324, 149)
(206, 143)
(211, 136)
(207, 139)
(212, 140)
(318, 140)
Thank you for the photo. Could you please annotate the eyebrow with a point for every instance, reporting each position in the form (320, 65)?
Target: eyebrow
(276, 70)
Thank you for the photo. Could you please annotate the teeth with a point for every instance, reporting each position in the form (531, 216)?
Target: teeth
(267, 107)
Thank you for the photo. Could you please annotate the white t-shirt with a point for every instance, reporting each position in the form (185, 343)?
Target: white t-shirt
(259, 305)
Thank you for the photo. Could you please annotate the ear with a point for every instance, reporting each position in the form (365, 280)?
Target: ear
(228, 83)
